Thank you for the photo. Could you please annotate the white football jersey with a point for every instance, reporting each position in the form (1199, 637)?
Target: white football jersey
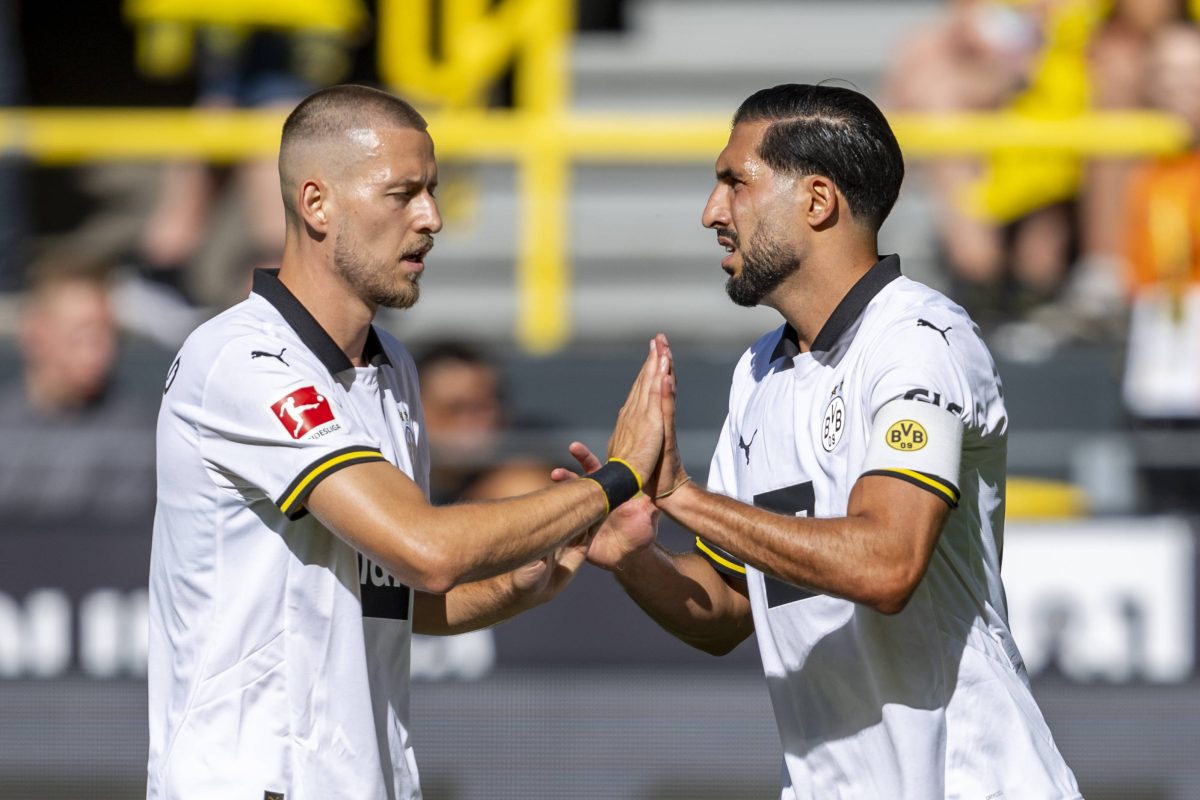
(279, 655)
(933, 701)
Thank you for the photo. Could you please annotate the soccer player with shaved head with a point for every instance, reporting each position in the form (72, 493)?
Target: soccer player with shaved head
(854, 515)
(295, 550)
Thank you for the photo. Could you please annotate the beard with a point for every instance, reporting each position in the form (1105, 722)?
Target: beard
(766, 263)
(377, 281)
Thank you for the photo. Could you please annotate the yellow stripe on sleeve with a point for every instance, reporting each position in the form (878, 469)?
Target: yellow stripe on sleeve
(949, 491)
(724, 562)
(317, 471)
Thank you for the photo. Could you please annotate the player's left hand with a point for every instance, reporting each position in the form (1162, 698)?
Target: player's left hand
(628, 529)
(543, 579)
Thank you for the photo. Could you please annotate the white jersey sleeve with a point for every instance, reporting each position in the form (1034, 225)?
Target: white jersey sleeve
(276, 428)
(919, 401)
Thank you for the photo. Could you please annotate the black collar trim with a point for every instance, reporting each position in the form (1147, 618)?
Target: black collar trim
(268, 285)
(886, 270)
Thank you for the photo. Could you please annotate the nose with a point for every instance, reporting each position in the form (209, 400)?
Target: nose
(716, 210)
(429, 218)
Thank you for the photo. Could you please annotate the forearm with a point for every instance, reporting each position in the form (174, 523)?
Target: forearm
(470, 606)
(498, 536)
(687, 598)
(385, 515)
(860, 556)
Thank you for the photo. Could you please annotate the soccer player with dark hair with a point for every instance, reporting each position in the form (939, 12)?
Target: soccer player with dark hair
(855, 504)
(295, 550)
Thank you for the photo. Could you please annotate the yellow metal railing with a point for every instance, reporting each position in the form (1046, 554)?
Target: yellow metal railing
(544, 146)
(61, 136)
(478, 41)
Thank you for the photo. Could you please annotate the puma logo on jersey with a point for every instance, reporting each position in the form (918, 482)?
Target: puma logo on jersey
(921, 323)
(743, 444)
(263, 354)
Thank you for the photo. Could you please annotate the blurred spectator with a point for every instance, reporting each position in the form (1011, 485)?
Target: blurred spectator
(1117, 62)
(1162, 245)
(76, 447)
(248, 65)
(1006, 229)
(465, 419)
(473, 458)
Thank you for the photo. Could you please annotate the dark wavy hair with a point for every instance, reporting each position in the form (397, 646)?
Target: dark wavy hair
(834, 132)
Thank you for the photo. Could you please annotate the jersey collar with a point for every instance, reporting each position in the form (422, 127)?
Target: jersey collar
(886, 270)
(270, 288)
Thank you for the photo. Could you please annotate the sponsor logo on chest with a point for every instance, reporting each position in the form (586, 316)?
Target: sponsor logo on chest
(382, 595)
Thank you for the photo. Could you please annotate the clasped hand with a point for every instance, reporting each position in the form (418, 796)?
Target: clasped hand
(644, 437)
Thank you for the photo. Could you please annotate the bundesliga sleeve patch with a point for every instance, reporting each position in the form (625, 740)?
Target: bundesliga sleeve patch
(919, 443)
(302, 411)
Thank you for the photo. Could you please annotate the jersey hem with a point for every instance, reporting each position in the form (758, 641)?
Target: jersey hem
(720, 560)
(291, 502)
(931, 483)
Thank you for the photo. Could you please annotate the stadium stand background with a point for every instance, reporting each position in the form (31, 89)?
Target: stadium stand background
(585, 698)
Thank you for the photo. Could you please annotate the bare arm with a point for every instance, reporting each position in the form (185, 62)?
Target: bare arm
(681, 592)
(381, 512)
(875, 555)
(688, 598)
(471, 606)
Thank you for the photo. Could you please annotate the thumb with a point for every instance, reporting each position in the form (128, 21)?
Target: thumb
(559, 474)
(586, 458)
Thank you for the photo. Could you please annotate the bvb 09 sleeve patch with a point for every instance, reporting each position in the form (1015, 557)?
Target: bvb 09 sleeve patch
(919, 443)
(908, 435)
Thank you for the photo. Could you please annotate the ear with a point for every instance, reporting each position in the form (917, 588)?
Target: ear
(822, 202)
(315, 205)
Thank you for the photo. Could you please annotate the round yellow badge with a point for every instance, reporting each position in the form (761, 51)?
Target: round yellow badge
(907, 435)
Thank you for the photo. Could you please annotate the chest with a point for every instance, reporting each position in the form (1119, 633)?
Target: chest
(798, 436)
(385, 405)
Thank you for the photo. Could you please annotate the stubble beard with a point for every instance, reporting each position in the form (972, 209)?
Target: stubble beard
(766, 264)
(376, 282)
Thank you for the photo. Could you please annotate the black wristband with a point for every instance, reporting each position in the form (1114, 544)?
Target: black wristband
(619, 482)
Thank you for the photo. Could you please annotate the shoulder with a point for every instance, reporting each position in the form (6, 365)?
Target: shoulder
(916, 322)
(923, 345)
(241, 348)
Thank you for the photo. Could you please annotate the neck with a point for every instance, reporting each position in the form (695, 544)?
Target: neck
(808, 298)
(345, 316)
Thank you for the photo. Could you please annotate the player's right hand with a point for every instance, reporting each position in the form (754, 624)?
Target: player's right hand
(668, 474)
(638, 435)
(630, 528)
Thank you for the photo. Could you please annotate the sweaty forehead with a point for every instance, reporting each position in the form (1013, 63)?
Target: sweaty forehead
(390, 152)
(741, 152)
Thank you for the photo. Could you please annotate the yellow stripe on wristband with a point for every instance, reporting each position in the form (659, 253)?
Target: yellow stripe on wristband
(603, 491)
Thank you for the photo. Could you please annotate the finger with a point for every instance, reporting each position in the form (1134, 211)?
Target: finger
(586, 458)
(668, 408)
(559, 474)
(638, 390)
(572, 558)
